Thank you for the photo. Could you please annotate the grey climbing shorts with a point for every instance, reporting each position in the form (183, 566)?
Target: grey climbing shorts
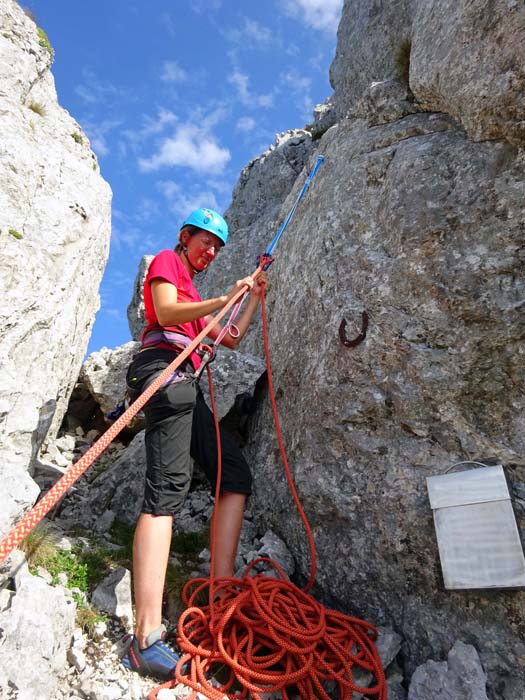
(180, 429)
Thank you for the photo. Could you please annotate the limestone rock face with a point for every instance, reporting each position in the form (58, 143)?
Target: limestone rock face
(234, 374)
(411, 239)
(461, 676)
(135, 311)
(120, 489)
(467, 60)
(373, 44)
(25, 630)
(54, 233)
(104, 374)
(421, 229)
(461, 57)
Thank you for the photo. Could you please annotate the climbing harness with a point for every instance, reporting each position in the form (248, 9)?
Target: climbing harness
(152, 339)
(161, 335)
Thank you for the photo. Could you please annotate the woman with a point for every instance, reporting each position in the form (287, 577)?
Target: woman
(179, 428)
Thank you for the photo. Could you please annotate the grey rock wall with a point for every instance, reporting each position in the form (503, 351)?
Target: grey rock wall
(26, 632)
(468, 59)
(462, 57)
(416, 222)
(54, 236)
(136, 310)
(373, 44)
(421, 228)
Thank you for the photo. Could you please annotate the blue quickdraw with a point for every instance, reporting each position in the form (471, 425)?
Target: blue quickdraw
(268, 254)
(264, 261)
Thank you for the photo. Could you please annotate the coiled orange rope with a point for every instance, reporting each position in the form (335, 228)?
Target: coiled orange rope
(263, 635)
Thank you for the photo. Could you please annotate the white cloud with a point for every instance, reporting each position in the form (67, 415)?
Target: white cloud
(99, 145)
(251, 34)
(241, 83)
(299, 86)
(151, 126)
(189, 147)
(134, 238)
(246, 124)
(181, 201)
(257, 32)
(297, 82)
(135, 231)
(93, 90)
(172, 72)
(319, 14)
(116, 314)
(147, 210)
(154, 125)
(205, 6)
(168, 23)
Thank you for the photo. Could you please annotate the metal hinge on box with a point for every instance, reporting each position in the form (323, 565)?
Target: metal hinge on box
(477, 535)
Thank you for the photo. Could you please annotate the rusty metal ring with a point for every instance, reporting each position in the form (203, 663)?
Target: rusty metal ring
(351, 343)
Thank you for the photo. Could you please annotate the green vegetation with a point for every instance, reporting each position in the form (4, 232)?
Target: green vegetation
(38, 108)
(189, 544)
(403, 60)
(43, 40)
(94, 166)
(87, 619)
(15, 234)
(86, 567)
(77, 137)
(70, 564)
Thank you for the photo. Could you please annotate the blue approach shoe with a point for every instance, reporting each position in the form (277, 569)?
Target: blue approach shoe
(156, 660)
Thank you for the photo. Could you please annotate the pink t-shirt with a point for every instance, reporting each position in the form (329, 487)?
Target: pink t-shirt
(168, 266)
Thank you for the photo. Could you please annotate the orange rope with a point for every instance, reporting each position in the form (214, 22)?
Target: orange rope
(33, 517)
(263, 634)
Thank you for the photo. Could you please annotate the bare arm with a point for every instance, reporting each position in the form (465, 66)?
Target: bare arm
(243, 322)
(171, 312)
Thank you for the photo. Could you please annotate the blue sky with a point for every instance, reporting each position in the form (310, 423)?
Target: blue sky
(176, 98)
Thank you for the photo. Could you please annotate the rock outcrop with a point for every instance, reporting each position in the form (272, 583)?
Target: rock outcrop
(104, 374)
(26, 631)
(414, 224)
(461, 57)
(54, 228)
(135, 311)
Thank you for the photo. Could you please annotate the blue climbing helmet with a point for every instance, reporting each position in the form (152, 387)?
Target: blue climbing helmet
(208, 220)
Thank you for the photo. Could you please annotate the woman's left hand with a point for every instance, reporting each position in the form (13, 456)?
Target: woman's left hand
(259, 284)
